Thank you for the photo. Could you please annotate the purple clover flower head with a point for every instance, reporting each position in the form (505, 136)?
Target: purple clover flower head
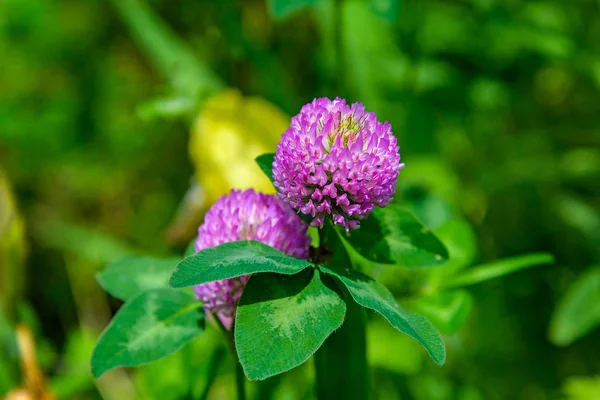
(246, 215)
(336, 159)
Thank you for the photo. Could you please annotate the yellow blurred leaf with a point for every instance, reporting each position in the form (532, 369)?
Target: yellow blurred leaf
(12, 247)
(229, 133)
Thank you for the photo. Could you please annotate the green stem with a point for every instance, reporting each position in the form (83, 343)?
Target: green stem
(240, 380)
(216, 358)
(339, 45)
(341, 363)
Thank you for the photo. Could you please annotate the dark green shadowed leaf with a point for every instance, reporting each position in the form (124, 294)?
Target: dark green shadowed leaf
(190, 250)
(129, 277)
(282, 8)
(371, 294)
(578, 312)
(265, 162)
(282, 320)
(498, 268)
(394, 235)
(148, 327)
(233, 259)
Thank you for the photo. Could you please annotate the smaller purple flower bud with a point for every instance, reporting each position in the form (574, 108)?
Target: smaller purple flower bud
(246, 215)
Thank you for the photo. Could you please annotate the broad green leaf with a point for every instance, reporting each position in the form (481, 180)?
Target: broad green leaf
(129, 277)
(498, 268)
(148, 327)
(393, 235)
(371, 294)
(446, 310)
(265, 162)
(282, 320)
(233, 259)
(578, 312)
(282, 8)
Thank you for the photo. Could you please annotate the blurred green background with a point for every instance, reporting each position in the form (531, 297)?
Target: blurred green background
(119, 122)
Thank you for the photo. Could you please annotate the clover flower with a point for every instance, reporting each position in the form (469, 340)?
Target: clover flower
(336, 159)
(246, 215)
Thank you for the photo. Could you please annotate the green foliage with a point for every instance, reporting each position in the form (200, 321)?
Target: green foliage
(393, 235)
(494, 105)
(498, 268)
(12, 248)
(447, 310)
(459, 238)
(578, 312)
(381, 338)
(148, 327)
(190, 249)
(283, 8)
(282, 320)
(387, 9)
(233, 259)
(265, 162)
(8, 346)
(284, 301)
(371, 294)
(582, 388)
(74, 376)
(168, 107)
(189, 372)
(86, 243)
(128, 277)
(189, 77)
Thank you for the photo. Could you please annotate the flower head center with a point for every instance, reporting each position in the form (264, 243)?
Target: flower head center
(347, 128)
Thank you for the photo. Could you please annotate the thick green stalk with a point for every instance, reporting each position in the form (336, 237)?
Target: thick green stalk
(214, 362)
(341, 363)
(240, 380)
